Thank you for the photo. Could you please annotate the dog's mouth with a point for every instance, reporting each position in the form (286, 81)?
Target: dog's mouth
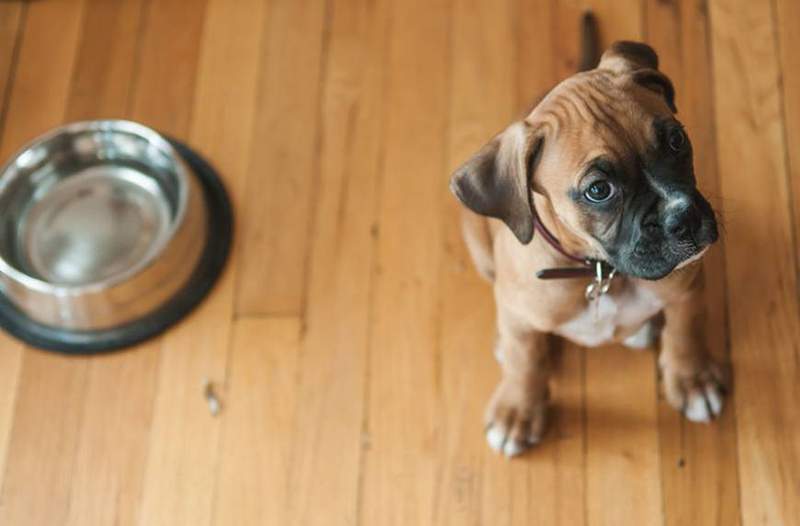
(655, 254)
(654, 261)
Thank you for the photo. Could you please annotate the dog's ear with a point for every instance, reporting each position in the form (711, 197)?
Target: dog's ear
(641, 62)
(495, 182)
(624, 56)
(656, 81)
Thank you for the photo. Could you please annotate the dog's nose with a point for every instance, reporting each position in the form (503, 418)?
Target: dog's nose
(683, 222)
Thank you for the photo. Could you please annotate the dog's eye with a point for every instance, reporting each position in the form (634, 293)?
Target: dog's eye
(676, 139)
(599, 191)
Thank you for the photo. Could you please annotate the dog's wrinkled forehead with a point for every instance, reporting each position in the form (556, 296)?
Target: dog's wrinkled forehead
(612, 107)
(600, 113)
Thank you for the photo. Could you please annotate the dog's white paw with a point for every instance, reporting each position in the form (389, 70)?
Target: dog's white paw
(699, 394)
(704, 404)
(515, 420)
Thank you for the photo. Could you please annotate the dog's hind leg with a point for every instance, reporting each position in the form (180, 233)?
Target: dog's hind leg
(478, 239)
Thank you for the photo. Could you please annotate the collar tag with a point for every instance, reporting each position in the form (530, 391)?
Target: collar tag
(601, 282)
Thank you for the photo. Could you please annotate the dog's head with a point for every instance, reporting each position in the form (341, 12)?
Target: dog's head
(613, 166)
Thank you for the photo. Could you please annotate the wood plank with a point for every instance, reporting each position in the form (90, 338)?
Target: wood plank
(102, 82)
(183, 455)
(404, 377)
(281, 179)
(474, 486)
(261, 405)
(333, 362)
(41, 451)
(167, 65)
(698, 469)
(622, 464)
(47, 413)
(762, 306)
(225, 95)
(106, 480)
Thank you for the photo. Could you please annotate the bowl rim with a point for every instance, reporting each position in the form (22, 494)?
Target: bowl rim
(8, 271)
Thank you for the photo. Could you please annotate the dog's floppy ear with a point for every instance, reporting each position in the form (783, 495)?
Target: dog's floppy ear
(642, 63)
(495, 182)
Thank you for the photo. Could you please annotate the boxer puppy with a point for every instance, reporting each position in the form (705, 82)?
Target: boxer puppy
(595, 187)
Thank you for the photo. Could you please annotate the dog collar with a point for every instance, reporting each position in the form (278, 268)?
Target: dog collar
(601, 271)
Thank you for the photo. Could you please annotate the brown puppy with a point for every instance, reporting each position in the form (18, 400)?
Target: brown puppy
(605, 169)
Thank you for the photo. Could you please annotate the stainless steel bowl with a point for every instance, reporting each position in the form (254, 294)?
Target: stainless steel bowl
(101, 223)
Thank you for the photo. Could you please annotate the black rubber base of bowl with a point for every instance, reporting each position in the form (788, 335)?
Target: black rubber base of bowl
(209, 268)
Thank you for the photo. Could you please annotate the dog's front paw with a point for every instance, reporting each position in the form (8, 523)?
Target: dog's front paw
(515, 418)
(698, 392)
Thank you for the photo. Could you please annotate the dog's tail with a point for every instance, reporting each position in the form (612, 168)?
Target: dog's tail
(590, 42)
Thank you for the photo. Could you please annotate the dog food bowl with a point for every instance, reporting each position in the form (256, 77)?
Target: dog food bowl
(109, 234)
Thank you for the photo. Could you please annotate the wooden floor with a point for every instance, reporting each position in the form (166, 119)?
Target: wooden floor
(350, 338)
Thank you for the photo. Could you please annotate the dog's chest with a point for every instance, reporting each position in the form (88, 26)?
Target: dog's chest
(615, 313)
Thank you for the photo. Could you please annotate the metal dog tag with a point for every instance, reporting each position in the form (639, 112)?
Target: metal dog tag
(601, 282)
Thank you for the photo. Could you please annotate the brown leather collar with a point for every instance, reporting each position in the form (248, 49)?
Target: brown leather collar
(588, 268)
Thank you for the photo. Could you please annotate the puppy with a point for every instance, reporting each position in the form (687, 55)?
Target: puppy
(586, 217)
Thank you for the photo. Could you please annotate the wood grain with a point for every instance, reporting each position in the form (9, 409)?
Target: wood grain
(38, 96)
(333, 363)
(108, 472)
(622, 462)
(167, 64)
(102, 83)
(762, 306)
(280, 186)
(260, 404)
(403, 426)
(474, 486)
(41, 451)
(698, 468)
